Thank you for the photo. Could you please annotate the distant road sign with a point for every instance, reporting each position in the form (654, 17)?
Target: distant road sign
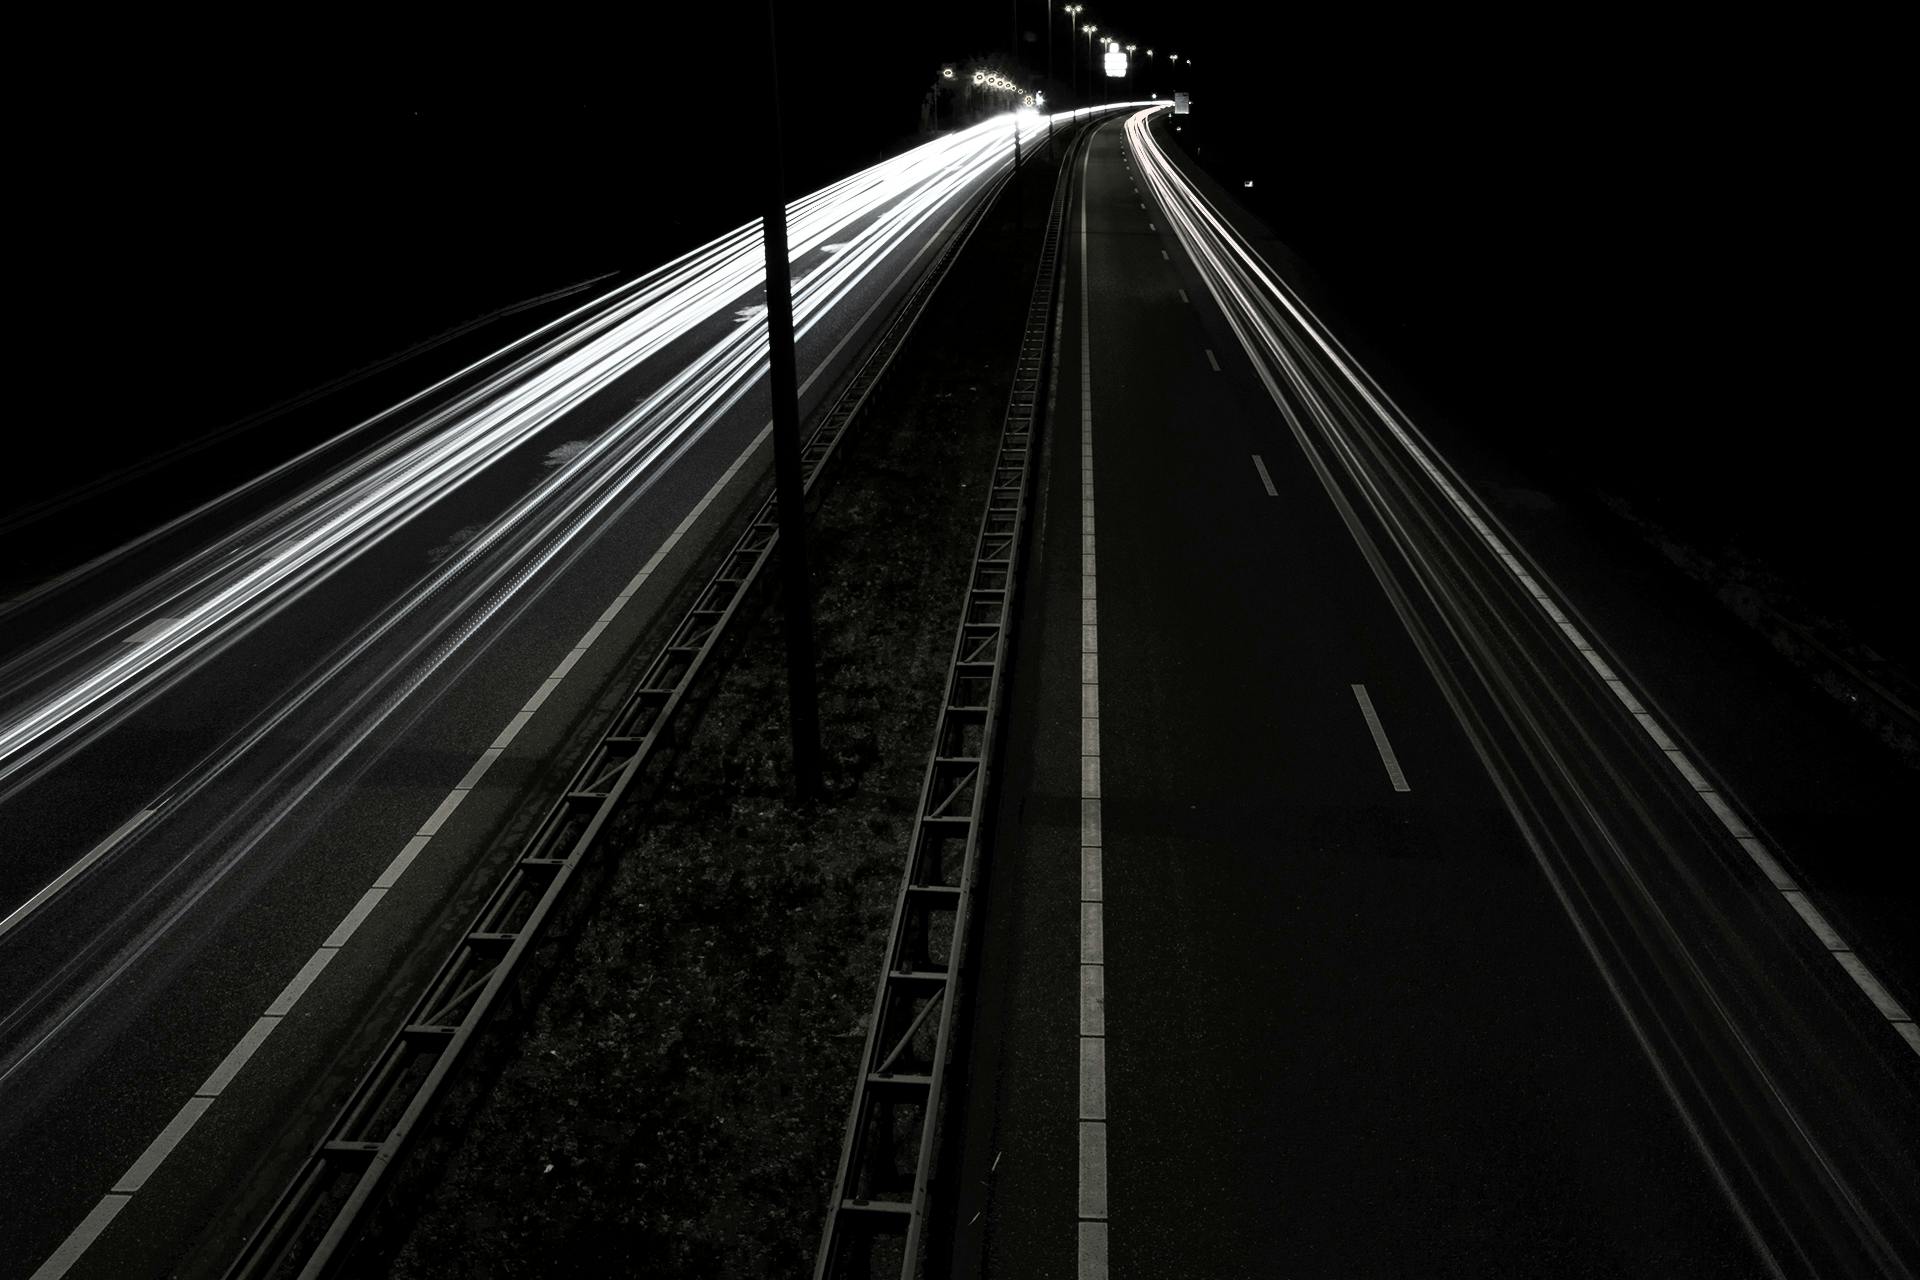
(1180, 104)
(1116, 62)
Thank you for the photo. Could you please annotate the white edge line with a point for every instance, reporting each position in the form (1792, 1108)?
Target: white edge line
(1735, 826)
(237, 1057)
(81, 1238)
(158, 1150)
(67, 877)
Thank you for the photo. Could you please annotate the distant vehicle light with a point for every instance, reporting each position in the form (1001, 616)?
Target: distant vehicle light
(1247, 183)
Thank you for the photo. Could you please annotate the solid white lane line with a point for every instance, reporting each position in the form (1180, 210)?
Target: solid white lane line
(402, 860)
(1402, 431)
(297, 986)
(1093, 1251)
(480, 766)
(512, 731)
(1093, 1169)
(1092, 1227)
(1212, 360)
(237, 1057)
(541, 695)
(142, 1169)
(78, 869)
(1379, 733)
(81, 1238)
(1266, 481)
(1093, 1000)
(447, 806)
(1093, 1078)
(352, 921)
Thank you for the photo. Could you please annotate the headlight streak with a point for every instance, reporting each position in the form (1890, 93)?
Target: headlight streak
(71, 689)
(1706, 1045)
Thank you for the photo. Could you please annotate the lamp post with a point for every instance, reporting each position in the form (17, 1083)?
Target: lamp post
(1092, 71)
(1073, 66)
(1130, 49)
(796, 593)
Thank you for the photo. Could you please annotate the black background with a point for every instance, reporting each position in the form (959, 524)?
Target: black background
(1660, 254)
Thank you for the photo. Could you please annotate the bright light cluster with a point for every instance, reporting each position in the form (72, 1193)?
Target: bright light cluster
(992, 80)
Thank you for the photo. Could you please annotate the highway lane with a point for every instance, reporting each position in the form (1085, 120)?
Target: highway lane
(292, 702)
(1536, 1013)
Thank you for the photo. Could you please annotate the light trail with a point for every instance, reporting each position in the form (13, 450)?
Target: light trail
(1555, 720)
(77, 685)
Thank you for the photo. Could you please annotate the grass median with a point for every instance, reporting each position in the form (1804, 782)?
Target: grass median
(677, 1102)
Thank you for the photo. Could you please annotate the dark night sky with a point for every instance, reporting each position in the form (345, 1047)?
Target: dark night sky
(1680, 240)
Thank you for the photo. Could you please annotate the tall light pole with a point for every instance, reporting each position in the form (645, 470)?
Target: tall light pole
(796, 594)
(1073, 65)
(1130, 49)
(1092, 71)
(1150, 76)
(1049, 61)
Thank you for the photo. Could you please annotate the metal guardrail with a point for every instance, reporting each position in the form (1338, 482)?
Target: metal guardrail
(878, 1209)
(342, 1177)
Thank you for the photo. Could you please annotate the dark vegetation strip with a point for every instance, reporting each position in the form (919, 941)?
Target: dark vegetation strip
(677, 1101)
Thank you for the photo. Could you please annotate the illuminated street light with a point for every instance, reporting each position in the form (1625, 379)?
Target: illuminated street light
(1073, 62)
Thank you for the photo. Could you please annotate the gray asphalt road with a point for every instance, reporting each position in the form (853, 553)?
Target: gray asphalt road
(1460, 977)
(285, 763)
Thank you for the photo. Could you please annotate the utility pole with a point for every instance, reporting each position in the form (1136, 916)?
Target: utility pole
(790, 496)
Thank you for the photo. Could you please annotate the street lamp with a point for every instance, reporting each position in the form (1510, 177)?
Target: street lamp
(1073, 12)
(1130, 49)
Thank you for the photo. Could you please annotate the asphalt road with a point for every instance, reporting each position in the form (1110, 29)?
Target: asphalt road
(252, 732)
(1464, 976)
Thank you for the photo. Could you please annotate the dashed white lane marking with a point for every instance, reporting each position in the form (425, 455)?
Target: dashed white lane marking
(1151, 227)
(1266, 481)
(1183, 296)
(1379, 732)
(1164, 257)
(1092, 1223)
(1900, 1018)
(78, 869)
(1212, 359)
(83, 1236)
